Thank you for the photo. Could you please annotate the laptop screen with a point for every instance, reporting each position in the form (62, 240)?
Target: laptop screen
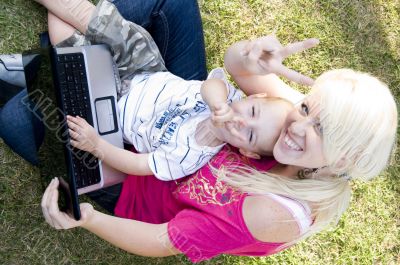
(52, 154)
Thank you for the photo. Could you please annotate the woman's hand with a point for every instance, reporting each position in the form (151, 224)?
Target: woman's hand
(61, 220)
(83, 136)
(264, 55)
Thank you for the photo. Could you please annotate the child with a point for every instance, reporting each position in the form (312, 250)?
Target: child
(174, 124)
(178, 125)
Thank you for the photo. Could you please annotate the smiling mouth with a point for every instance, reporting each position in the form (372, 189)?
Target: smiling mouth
(291, 144)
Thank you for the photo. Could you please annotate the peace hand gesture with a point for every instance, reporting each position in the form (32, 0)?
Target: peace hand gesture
(264, 55)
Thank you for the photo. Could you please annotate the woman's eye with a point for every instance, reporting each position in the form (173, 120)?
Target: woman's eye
(251, 136)
(304, 108)
(252, 111)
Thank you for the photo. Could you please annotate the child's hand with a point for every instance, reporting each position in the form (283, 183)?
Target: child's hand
(222, 113)
(83, 136)
(264, 55)
(224, 116)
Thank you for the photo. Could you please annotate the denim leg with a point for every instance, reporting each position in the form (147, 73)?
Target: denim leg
(20, 128)
(177, 30)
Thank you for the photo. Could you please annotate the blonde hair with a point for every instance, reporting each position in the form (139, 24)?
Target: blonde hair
(359, 119)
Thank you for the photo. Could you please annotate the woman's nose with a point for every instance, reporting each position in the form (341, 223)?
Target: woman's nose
(300, 126)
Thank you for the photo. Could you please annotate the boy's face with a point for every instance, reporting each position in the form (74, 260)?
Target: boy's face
(263, 121)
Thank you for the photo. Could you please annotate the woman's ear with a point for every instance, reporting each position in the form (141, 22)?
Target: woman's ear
(249, 154)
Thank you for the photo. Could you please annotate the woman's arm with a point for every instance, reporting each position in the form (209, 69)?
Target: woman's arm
(136, 237)
(268, 220)
(270, 84)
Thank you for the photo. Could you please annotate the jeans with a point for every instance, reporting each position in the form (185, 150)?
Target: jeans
(20, 128)
(177, 30)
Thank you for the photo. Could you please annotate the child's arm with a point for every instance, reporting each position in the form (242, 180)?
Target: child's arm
(124, 160)
(84, 137)
(214, 93)
(253, 65)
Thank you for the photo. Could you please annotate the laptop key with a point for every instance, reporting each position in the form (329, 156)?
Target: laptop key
(82, 75)
(61, 69)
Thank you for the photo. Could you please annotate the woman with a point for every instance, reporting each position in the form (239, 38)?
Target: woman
(203, 223)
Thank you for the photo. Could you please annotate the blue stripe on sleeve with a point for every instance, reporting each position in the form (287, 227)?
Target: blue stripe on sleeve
(160, 93)
(187, 150)
(123, 116)
(169, 169)
(154, 163)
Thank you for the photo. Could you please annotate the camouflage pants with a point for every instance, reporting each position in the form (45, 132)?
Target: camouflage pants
(133, 49)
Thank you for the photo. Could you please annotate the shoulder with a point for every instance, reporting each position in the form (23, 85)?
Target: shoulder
(269, 220)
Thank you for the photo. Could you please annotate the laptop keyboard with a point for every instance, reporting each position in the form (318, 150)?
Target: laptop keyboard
(76, 101)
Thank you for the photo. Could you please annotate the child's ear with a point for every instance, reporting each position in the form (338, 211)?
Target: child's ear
(249, 154)
(258, 95)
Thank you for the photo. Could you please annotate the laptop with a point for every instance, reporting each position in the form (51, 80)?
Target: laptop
(74, 81)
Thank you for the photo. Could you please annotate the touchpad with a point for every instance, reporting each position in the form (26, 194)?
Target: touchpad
(106, 115)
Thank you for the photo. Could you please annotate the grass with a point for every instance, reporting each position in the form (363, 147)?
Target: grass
(364, 35)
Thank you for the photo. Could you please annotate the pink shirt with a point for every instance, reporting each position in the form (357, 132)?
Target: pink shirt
(205, 215)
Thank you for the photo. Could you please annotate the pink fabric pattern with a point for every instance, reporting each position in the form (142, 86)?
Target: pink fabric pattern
(205, 215)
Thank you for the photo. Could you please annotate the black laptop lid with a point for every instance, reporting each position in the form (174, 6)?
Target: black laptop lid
(54, 160)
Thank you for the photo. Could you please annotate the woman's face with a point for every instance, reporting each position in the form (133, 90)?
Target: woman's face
(300, 141)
